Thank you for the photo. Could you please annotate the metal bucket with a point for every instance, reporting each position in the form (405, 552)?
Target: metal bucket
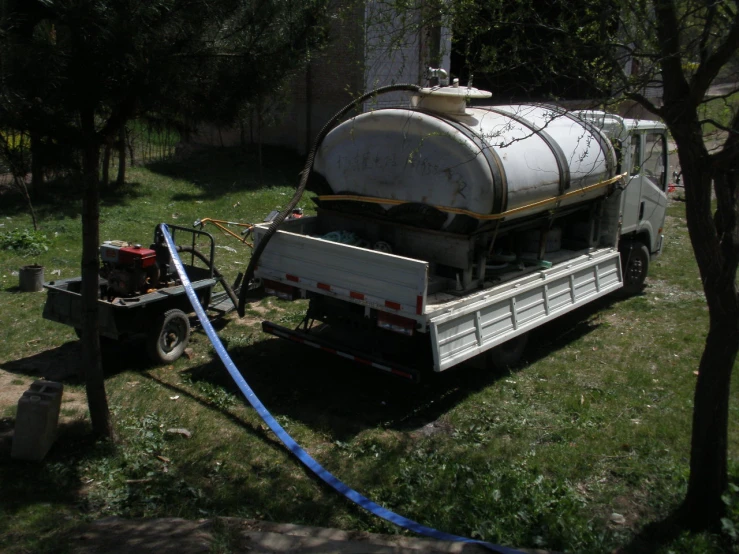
(31, 278)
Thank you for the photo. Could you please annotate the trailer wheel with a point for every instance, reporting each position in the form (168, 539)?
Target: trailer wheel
(507, 354)
(168, 337)
(635, 264)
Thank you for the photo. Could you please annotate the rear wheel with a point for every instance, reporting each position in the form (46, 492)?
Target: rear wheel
(507, 354)
(168, 337)
(635, 264)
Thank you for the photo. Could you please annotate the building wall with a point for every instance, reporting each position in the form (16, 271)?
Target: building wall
(332, 78)
(370, 47)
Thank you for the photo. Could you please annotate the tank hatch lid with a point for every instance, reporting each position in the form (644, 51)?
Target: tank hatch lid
(449, 100)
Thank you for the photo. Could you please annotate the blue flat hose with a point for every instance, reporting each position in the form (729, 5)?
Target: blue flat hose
(290, 443)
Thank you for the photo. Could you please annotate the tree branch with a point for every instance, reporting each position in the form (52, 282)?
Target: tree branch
(644, 101)
(702, 48)
(718, 125)
(668, 36)
(709, 68)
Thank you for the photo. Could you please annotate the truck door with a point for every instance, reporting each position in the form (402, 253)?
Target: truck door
(632, 160)
(653, 203)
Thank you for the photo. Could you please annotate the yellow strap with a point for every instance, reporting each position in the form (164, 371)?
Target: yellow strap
(476, 215)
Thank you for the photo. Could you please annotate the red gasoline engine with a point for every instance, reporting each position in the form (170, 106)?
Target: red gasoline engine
(128, 268)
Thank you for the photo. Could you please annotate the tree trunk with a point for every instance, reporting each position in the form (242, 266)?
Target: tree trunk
(703, 507)
(259, 142)
(121, 157)
(129, 143)
(20, 182)
(106, 165)
(37, 164)
(91, 356)
(715, 252)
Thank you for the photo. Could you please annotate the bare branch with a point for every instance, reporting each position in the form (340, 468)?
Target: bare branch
(703, 47)
(644, 101)
(718, 125)
(709, 68)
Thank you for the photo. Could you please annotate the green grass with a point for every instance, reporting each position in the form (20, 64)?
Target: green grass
(595, 422)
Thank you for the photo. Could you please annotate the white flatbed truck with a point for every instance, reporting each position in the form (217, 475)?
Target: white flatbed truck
(438, 299)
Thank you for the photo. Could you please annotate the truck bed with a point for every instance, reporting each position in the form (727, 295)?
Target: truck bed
(460, 324)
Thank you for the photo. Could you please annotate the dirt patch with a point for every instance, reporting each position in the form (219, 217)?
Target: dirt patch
(13, 385)
(160, 536)
(250, 319)
(433, 428)
(664, 291)
(180, 536)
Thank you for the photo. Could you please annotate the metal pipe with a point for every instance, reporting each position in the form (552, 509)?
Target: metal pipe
(440, 73)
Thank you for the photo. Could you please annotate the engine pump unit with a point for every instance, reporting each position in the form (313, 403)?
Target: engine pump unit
(128, 268)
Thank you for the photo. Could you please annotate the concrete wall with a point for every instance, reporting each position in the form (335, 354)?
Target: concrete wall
(370, 47)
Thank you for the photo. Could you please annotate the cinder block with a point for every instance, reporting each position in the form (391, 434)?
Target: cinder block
(37, 420)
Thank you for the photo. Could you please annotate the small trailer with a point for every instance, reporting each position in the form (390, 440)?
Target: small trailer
(140, 294)
(446, 232)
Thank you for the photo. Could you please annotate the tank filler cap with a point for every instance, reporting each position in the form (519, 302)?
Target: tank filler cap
(450, 100)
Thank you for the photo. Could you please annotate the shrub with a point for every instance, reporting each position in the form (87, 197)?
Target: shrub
(24, 240)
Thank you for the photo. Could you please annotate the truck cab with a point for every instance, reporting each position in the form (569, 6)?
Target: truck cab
(642, 152)
(642, 149)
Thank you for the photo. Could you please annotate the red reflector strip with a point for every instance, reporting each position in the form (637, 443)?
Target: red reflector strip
(356, 295)
(401, 374)
(292, 278)
(419, 304)
(323, 286)
(361, 361)
(392, 305)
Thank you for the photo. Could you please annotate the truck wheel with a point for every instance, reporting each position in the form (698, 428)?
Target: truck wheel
(168, 337)
(507, 354)
(635, 264)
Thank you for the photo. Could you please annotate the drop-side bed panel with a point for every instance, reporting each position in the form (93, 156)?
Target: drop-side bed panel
(461, 333)
(368, 277)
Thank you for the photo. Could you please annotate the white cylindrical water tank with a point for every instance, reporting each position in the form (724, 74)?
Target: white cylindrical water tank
(479, 161)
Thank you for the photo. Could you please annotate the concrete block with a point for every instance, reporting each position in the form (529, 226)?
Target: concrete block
(37, 420)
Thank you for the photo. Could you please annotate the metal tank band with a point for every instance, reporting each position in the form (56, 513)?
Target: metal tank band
(603, 142)
(500, 181)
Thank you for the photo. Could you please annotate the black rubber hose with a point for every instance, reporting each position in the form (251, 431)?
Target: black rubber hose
(307, 169)
(218, 275)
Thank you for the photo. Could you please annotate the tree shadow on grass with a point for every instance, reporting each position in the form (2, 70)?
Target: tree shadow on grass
(660, 533)
(46, 484)
(219, 171)
(62, 199)
(63, 363)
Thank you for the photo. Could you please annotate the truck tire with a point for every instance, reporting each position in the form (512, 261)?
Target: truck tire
(168, 337)
(508, 354)
(635, 264)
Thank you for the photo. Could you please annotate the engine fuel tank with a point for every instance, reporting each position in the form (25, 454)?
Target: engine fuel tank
(514, 160)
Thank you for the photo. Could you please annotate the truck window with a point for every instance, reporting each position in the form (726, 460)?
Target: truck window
(654, 159)
(635, 151)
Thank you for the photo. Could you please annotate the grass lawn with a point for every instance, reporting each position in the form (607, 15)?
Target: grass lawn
(578, 450)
